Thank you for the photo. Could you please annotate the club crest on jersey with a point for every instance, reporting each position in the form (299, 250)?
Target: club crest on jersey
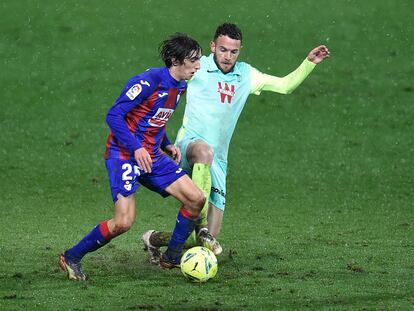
(226, 91)
(161, 117)
(134, 91)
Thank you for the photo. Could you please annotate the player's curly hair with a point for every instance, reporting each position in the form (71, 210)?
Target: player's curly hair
(178, 47)
(230, 30)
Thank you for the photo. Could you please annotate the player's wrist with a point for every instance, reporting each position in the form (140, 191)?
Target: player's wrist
(310, 62)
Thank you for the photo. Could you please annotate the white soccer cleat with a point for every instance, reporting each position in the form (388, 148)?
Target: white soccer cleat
(154, 252)
(209, 241)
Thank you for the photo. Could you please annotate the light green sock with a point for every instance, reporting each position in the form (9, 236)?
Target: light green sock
(202, 178)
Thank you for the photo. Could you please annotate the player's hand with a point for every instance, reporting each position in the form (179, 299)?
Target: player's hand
(318, 54)
(143, 159)
(174, 152)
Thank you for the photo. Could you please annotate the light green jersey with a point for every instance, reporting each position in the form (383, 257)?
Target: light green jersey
(215, 100)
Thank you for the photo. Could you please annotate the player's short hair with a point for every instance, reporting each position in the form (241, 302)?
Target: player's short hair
(229, 30)
(178, 47)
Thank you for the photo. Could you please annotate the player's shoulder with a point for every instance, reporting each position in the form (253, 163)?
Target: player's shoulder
(204, 59)
(147, 81)
(243, 64)
(242, 68)
(143, 84)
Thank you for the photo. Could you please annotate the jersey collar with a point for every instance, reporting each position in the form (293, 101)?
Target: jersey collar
(171, 81)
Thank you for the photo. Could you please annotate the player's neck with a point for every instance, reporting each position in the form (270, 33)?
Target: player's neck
(175, 73)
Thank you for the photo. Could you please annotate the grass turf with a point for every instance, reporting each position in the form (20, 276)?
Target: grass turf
(320, 212)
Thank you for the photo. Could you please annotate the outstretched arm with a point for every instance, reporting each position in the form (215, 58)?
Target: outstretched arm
(286, 85)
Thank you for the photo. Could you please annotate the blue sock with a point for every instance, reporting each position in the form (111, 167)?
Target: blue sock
(98, 237)
(184, 225)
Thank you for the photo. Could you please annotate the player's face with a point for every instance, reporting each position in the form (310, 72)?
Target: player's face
(226, 51)
(189, 67)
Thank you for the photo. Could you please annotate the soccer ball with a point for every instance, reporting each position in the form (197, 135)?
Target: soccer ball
(199, 264)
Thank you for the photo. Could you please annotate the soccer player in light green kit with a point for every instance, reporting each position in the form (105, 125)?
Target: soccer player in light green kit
(216, 96)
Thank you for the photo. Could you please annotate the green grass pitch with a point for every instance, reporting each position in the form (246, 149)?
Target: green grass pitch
(320, 212)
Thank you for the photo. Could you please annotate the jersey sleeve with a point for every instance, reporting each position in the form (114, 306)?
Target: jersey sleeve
(285, 85)
(135, 92)
(165, 141)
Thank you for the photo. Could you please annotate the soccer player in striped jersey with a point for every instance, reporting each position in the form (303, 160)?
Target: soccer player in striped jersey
(136, 154)
(216, 97)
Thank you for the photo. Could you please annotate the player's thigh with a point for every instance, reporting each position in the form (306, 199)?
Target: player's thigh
(215, 219)
(165, 172)
(122, 177)
(184, 190)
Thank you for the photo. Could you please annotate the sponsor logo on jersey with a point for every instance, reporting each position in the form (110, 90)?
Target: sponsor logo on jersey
(226, 91)
(161, 117)
(144, 82)
(161, 95)
(134, 91)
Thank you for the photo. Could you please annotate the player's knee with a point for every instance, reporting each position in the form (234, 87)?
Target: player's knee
(201, 200)
(197, 201)
(201, 153)
(207, 154)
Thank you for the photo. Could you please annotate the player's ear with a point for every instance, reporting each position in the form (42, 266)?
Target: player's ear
(213, 46)
(175, 62)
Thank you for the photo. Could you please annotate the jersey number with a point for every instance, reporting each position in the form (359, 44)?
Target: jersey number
(128, 170)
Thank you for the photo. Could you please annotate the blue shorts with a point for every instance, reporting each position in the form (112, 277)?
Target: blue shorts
(125, 176)
(218, 174)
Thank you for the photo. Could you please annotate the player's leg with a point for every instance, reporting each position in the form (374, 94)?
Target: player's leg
(215, 219)
(156, 239)
(200, 157)
(195, 151)
(99, 236)
(192, 199)
(217, 202)
(122, 188)
(197, 159)
(124, 216)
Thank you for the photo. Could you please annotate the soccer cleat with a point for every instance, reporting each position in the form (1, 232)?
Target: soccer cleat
(73, 268)
(154, 252)
(167, 263)
(209, 241)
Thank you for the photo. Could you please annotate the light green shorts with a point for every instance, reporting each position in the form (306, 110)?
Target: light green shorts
(218, 174)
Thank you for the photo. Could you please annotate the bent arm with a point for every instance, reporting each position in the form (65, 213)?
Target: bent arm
(116, 121)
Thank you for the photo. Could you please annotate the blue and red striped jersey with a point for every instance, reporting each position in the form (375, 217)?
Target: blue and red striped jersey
(138, 117)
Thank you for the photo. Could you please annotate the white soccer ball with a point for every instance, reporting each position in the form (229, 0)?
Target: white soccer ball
(199, 264)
